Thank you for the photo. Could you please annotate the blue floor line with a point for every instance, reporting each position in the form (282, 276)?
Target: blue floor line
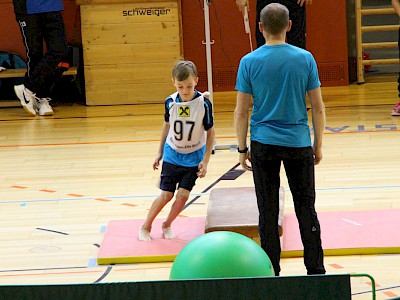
(92, 263)
(103, 228)
(25, 202)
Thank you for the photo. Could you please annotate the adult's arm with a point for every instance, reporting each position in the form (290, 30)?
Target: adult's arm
(318, 121)
(396, 6)
(242, 125)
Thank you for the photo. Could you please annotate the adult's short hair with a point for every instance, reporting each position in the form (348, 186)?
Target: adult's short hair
(183, 69)
(274, 18)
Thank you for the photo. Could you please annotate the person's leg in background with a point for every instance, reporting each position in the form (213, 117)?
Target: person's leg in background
(297, 35)
(396, 109)
(30, 26)
(44, 74)
(260, 40)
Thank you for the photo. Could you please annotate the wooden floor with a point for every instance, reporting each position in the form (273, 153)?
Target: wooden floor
(63, 178)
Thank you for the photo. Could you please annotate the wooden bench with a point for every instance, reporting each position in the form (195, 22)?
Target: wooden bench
(235, 209)
(16, 73)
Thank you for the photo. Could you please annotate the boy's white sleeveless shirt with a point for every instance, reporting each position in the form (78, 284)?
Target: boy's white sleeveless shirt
(187, 132)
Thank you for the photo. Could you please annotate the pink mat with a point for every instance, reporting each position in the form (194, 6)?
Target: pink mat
(121, 245)
(343, 233)
(348, 232)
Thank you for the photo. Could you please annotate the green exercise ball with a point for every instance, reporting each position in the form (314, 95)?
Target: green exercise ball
(221, 254)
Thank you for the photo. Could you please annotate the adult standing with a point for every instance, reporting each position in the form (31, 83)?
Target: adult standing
(277, 77)
(297, 14)
(40, 21)
(396, 109)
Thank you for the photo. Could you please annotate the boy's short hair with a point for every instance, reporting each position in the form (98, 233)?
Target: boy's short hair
(274, 18)
(183, 69)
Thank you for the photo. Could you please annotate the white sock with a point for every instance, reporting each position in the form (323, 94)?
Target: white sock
(168, 234)
(144, 235)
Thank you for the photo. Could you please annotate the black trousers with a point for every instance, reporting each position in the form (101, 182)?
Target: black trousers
(299, 166)
(398, 79)
(297, 35)
(36, 28)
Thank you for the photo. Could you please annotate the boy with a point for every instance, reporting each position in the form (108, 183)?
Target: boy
(187, 139)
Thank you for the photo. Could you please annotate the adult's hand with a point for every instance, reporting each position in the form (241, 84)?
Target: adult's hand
(244, 160)
(302, 2)
(242, 4)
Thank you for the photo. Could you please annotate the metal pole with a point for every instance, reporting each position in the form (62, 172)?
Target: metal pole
(208, 44)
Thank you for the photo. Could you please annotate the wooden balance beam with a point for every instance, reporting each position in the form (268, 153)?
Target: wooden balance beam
(235, 209)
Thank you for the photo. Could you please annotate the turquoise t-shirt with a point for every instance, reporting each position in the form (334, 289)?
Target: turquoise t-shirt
(278, 78)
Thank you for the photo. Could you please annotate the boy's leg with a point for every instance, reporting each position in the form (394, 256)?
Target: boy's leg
(168, 183)
(187, 180)
(180, 200)
(156, 207)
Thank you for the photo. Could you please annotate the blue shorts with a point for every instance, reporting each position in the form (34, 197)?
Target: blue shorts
(174, 177)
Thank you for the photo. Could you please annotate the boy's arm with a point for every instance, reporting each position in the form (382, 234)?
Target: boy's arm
(396, 6)
(318, 121)
(164, 134)
(209, 144)
(209, 147)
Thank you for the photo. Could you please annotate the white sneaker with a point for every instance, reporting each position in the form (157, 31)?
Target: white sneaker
(26, 97)
(43, 107)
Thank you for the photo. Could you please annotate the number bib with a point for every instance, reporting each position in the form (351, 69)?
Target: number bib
(186, 133)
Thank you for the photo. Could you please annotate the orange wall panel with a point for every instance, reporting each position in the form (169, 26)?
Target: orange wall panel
(10, 36)
(327, 30)
(230, 41)
(326, 37)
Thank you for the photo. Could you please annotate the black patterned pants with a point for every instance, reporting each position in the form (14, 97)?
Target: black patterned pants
(37, 30)
(299, 166)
